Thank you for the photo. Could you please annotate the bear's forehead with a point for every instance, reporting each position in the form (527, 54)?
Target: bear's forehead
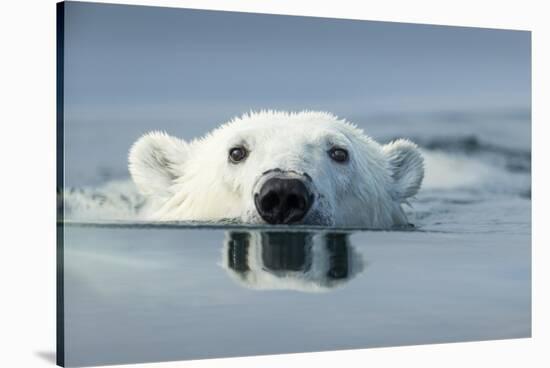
(296, 129)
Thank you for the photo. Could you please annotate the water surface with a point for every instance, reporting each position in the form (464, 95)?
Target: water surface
(139, 294)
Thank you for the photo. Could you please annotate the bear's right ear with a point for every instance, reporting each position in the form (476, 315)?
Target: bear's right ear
(155, 160)
(407, 167)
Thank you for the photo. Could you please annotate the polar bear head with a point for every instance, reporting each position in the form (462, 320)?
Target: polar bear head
(278, 168)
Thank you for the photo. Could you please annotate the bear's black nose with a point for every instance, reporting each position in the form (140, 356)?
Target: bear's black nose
(283, 200)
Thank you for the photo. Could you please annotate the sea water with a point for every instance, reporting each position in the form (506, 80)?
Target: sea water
(138, 292)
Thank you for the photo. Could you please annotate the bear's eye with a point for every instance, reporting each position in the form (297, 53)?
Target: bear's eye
(338, 154)
(237, 154)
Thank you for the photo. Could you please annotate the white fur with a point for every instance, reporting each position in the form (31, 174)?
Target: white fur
(196, 181)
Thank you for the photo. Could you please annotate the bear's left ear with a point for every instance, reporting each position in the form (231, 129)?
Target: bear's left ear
(155, 161)
(407, 167)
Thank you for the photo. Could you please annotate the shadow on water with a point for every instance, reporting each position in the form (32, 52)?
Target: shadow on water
(223, 225)
(302, 261)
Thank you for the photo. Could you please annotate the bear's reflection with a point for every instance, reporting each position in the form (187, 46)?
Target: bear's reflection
(293, 261)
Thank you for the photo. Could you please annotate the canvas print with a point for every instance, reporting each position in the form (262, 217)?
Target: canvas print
(235, 184)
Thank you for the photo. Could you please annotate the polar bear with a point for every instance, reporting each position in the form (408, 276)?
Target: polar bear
(275, 167)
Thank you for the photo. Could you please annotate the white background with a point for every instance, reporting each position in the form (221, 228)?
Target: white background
(27, 200)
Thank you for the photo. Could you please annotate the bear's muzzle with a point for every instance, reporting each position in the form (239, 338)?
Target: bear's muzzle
(283, 200)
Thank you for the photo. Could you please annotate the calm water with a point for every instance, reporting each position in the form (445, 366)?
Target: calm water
(139, 294)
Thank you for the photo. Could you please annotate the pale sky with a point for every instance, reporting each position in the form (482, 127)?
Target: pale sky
(130, 62)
